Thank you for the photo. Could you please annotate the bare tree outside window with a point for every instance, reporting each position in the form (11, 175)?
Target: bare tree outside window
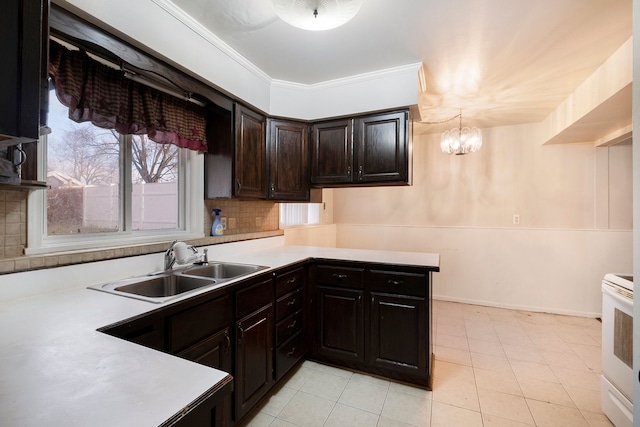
(154, 162)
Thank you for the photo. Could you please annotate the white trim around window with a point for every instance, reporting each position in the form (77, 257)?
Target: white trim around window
(191, 218)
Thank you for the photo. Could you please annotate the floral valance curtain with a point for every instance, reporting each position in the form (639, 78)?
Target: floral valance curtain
(104, 96)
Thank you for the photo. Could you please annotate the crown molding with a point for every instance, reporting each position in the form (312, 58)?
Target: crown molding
(211, 38)
(349, 80)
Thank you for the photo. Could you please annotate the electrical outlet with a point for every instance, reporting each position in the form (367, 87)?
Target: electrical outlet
(516, 219)
(223, 220)
(232, 223)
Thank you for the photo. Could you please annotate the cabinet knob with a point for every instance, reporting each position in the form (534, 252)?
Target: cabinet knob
(292, 302)
(292, 325)
(241, 333)
(238, 185)
(293, 350)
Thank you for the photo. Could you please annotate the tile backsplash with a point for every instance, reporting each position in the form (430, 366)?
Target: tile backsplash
(246, 219)
(13, 223)
(243, 216)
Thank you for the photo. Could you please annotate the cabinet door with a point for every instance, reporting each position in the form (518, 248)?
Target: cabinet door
(340, 323)
(381, 148)
(398, 334)
(254, 359)
(214, 351)
(191, 326)
(251, 154)
(332, 152)
(24, 27)
(288, 161)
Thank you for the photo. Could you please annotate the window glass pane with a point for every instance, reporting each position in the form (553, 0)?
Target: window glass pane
(154, 169)
(299, 213)
(82, 170)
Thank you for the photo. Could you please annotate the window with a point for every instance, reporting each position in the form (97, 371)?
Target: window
(299, 214)
(106, 187)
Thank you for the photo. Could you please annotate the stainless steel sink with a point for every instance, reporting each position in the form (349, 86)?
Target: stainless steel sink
(221, 270)
(159, 288)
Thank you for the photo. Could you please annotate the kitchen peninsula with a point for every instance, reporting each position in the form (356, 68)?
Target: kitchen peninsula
(57, 369)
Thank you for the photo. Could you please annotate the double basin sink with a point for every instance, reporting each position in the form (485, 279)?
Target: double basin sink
(161, 287)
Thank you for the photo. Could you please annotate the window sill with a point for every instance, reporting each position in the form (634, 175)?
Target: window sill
(37, 262)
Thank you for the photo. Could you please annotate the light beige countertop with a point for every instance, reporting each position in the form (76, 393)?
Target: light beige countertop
(57, 370)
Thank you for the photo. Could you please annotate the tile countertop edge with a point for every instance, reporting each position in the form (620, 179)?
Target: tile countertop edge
(54, 359)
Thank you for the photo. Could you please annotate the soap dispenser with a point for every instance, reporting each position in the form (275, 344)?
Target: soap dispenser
(217, 229)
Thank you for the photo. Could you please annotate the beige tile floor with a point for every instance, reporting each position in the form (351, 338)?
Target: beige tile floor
(494, 367)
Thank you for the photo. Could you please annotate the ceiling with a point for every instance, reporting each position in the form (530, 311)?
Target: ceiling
(502, 61)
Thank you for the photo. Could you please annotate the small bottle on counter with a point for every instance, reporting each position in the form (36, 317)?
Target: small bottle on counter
(217, 229)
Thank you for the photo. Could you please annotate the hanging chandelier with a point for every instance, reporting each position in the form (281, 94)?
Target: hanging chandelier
(460, 140)
(316, 15)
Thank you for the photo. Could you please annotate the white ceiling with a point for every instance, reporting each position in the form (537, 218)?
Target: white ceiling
(503, 61)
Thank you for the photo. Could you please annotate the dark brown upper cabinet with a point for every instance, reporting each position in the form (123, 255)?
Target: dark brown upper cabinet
(250, 154)
(288, 160)
(23, 75)
(332, 152)
(381, 148)
(236, 161)
(365, 150)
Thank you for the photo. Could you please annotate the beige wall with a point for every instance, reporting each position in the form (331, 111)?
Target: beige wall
(547, 186)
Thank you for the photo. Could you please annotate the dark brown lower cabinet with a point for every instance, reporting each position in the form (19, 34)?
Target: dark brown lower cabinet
(208, 412)
(340, 323)
(398, 333)
(254, 359)
(373, 318)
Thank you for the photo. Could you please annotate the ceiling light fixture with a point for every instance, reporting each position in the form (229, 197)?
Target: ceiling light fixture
(460, 140)
(316, 15)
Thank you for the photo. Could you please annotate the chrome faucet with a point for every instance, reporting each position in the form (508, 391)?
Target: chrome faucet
(169, 257)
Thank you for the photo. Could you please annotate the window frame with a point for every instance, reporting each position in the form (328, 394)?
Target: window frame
(190, 215)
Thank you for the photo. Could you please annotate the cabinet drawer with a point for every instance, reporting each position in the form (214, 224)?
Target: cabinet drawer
(341, 276)
(289, 281)
(288, 304)
(253, 297)
(288, 327)
(398, 282)
(288, 354)
(190, 326)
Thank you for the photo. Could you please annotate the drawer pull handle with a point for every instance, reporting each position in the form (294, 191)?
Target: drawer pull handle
(339, 276)
(293, 350)
(227, 341)
(291, 281)
(292, 302)
(241, 335)
(395, 282)
(292, 325)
